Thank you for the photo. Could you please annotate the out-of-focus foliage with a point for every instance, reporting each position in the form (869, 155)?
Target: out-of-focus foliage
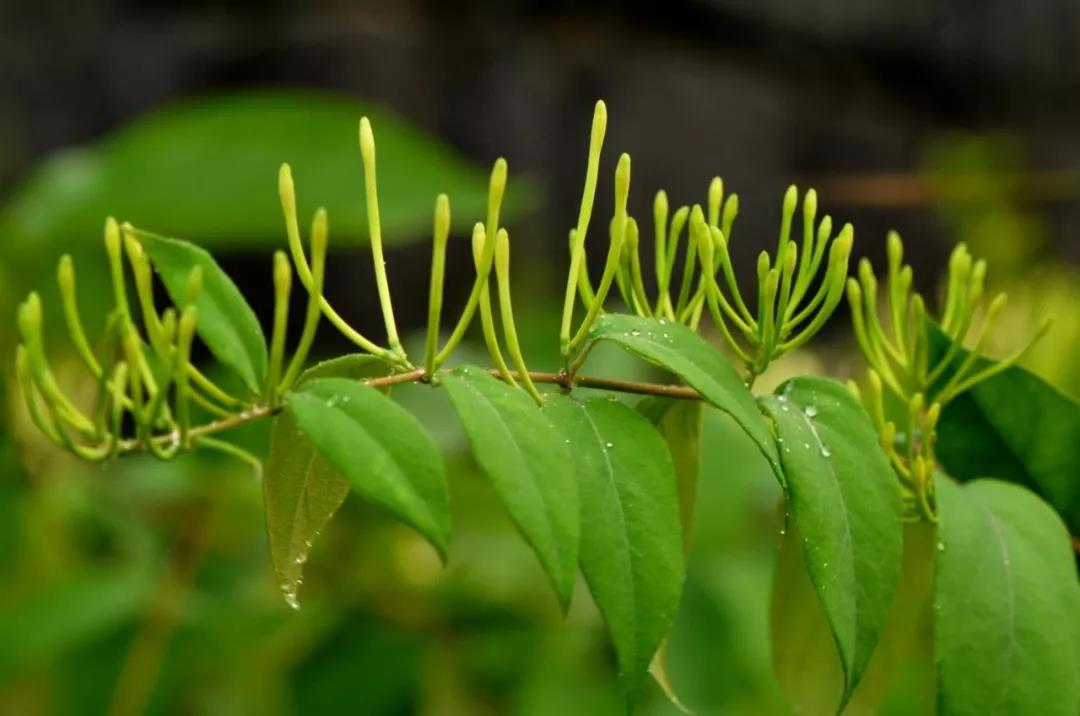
(205, 169)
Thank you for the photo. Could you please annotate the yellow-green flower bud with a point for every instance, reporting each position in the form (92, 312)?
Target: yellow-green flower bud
(716, 197)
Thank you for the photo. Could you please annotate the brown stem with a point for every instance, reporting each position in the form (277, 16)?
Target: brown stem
(417, 375)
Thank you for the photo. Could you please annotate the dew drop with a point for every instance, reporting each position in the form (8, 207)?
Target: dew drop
(940, 546)
(810, 411)
(609, 445)
(289, 592)
(825, 452)
(635, 332)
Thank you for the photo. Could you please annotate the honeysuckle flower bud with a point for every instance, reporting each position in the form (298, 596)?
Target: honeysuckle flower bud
(791, 200)
(731, 211)
(715, 199)
(194, 285)
(65, 278)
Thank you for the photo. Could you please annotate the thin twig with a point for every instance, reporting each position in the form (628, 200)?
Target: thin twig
(564, 380)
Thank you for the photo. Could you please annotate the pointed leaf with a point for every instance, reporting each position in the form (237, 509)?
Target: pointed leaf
(692, 358)
(1006, 604)
(225, 321)
(1019, 428)
(631, 551)
(844, 500)
(301, 492)
(380, 448)
(528, 463)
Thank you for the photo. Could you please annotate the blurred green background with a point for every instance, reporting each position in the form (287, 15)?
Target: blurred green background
(146, 587)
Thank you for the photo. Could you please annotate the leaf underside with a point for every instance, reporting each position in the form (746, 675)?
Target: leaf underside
(380, 448)
(301, 491)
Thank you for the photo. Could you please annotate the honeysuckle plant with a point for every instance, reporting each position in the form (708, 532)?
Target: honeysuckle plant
(876, 529)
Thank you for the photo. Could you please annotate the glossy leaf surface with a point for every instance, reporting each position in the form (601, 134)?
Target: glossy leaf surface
(380, 448)
(844, 501)
(225, 321)
(529, 464)
(1006, 604)
(631, 552)
(678, 349)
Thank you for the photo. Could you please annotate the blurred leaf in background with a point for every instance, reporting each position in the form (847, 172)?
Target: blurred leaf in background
(205, 170)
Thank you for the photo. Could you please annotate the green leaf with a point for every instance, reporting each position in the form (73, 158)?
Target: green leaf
(206, 168)
(380, 448)
(908, 625)
(526, 458)
(225, 321)
(1019, 428)
(354, 366)
(679, 423)
(1006, 604)
(301, 492)
(805, 660)
(692, 358)
(631, 552)
(844, 500)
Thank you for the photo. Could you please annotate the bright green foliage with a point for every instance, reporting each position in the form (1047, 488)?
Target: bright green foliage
(1017, 427)
(380, 448)
(1006, 604)
(844, 502)
(594, 482)
(226, 322)
(916, 366)
(301, 491)
(631, 551)
(528, 462)
(687, 355)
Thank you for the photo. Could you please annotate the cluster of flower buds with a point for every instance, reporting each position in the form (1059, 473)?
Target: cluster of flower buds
(136, 375)
(795, 296)
(148, 388)
(918, 365)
